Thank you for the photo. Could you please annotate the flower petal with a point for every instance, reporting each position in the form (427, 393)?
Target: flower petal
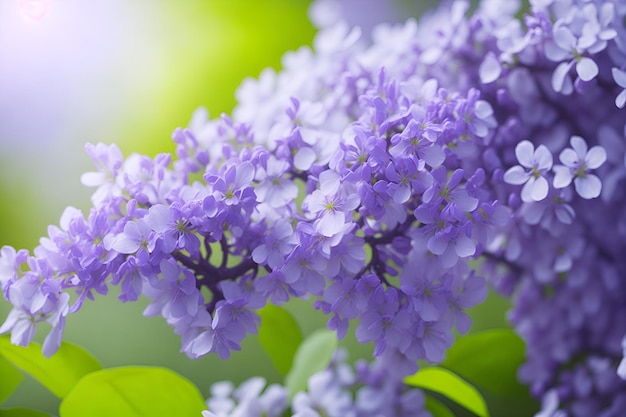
(525, 152)
(569, 157)
(516, 175)
(619, 76)
(563, 176)
(490, 69)
(588, 187)
(543, 158)
(595, 157)
(464, 246)
(587, 69)
(536, 189)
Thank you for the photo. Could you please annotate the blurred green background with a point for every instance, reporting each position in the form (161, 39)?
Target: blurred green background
(129, 72)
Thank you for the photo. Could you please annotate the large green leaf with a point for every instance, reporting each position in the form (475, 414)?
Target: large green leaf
(450, 385)
(490, 360)
(10, 379)
(133, 392)
(436, 408)
(22, 412)
(280, 336)
(58, 373)
(313, 355)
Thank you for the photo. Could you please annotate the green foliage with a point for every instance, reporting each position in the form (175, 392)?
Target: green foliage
(21, 412)
(133, 392)
(450, 385)
(313, 355)
(436, 408)
(280, 336)
(58, 373)
(10, 379)
(490, 360)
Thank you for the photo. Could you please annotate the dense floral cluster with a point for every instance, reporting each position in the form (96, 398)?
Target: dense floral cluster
(368, 390)
(386, 180)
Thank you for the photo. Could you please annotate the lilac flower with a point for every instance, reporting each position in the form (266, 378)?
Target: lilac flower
(534, 165)
(175, 295)
(331, 203)
(274, 189)
(449, 190)
(232, 187)
(591, 37)
(399, 150)
(108, 161)
(577, 161)
(137, 238)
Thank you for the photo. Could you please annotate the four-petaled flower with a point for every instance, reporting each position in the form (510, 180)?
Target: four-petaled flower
(577, 161)
(534, 165)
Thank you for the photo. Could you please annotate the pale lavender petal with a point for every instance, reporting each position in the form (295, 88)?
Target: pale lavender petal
(402, 194)
(595, 157)
(245, 174)
(516, 175)
(560, 79)
(620, 100)
(329, 182)
(580, 146)
(463, 201)
(304, 158)
(483, 109)
(316, 201)
(563, 176)
(588, 187)
(331, 223)
(565, 213)
(525, 152)
(158, 218)
(536, 189)
(433, 155)
(490, 69)
(464, 246)
(543, 158)
(124, 244)
(555, 53)
(569, 157)
(437, 244)
(619, 76)
(564, 38)
(533, 212)
(260, 253)
(587, 69)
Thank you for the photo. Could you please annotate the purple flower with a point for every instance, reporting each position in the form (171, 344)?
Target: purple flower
(450, 190)
(577, 161)
(175, 294)
(331, 204)
(534, 165)
(573, 42)
(137, 238)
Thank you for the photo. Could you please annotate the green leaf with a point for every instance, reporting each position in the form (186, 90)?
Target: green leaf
(490, 360)
(450, 385)
(22, 412)
(436, 408)
(313, 355)
(10, 379)
(133, 391)
(58, 373)
(280, 336)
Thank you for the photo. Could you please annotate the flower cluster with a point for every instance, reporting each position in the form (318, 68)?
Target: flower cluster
(367, 390)
(389, 180)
